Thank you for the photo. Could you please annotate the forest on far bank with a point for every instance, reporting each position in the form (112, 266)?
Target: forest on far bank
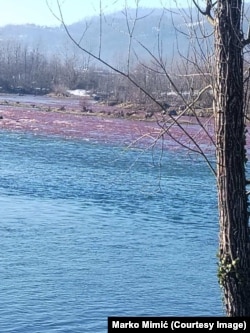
(26, 70)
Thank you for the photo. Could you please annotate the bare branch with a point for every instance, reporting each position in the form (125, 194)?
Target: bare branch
(207, 11)
(160, 62)
(247, 40)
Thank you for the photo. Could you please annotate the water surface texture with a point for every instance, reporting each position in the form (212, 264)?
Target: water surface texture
(91, 230)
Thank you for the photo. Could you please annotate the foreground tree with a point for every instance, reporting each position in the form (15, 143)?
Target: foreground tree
(230, 131)
(229, 109)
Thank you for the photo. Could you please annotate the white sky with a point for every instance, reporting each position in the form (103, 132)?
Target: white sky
(37, 11)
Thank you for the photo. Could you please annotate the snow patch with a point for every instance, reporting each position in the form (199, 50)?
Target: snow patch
(78, 92)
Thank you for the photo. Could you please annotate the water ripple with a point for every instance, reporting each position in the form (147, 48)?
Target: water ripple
(90, 231)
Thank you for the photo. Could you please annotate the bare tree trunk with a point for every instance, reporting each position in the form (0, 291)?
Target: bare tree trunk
(234, 272)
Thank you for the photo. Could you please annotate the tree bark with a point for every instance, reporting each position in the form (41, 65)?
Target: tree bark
(233, 271)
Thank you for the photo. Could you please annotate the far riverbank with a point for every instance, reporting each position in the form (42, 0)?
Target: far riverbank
(72, 117)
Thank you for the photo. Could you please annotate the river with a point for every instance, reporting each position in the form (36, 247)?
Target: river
(91, 230)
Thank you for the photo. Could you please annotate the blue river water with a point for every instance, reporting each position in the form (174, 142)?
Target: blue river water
(91, 230)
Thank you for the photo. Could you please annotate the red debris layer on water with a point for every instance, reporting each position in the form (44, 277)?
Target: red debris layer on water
(72, 125)
(106, 127)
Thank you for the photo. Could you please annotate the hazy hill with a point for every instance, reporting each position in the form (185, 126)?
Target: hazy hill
(153, 29)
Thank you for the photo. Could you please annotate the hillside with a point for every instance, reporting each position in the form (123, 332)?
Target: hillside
(154, 29)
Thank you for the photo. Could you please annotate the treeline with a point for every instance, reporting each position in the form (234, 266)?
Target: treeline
(28, 70)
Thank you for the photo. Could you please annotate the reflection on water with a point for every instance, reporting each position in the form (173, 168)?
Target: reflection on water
(90, 231)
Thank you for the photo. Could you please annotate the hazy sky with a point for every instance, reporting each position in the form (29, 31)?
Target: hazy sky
(37, 12)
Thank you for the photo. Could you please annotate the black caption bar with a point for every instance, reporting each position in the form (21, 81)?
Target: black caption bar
(177, 323)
